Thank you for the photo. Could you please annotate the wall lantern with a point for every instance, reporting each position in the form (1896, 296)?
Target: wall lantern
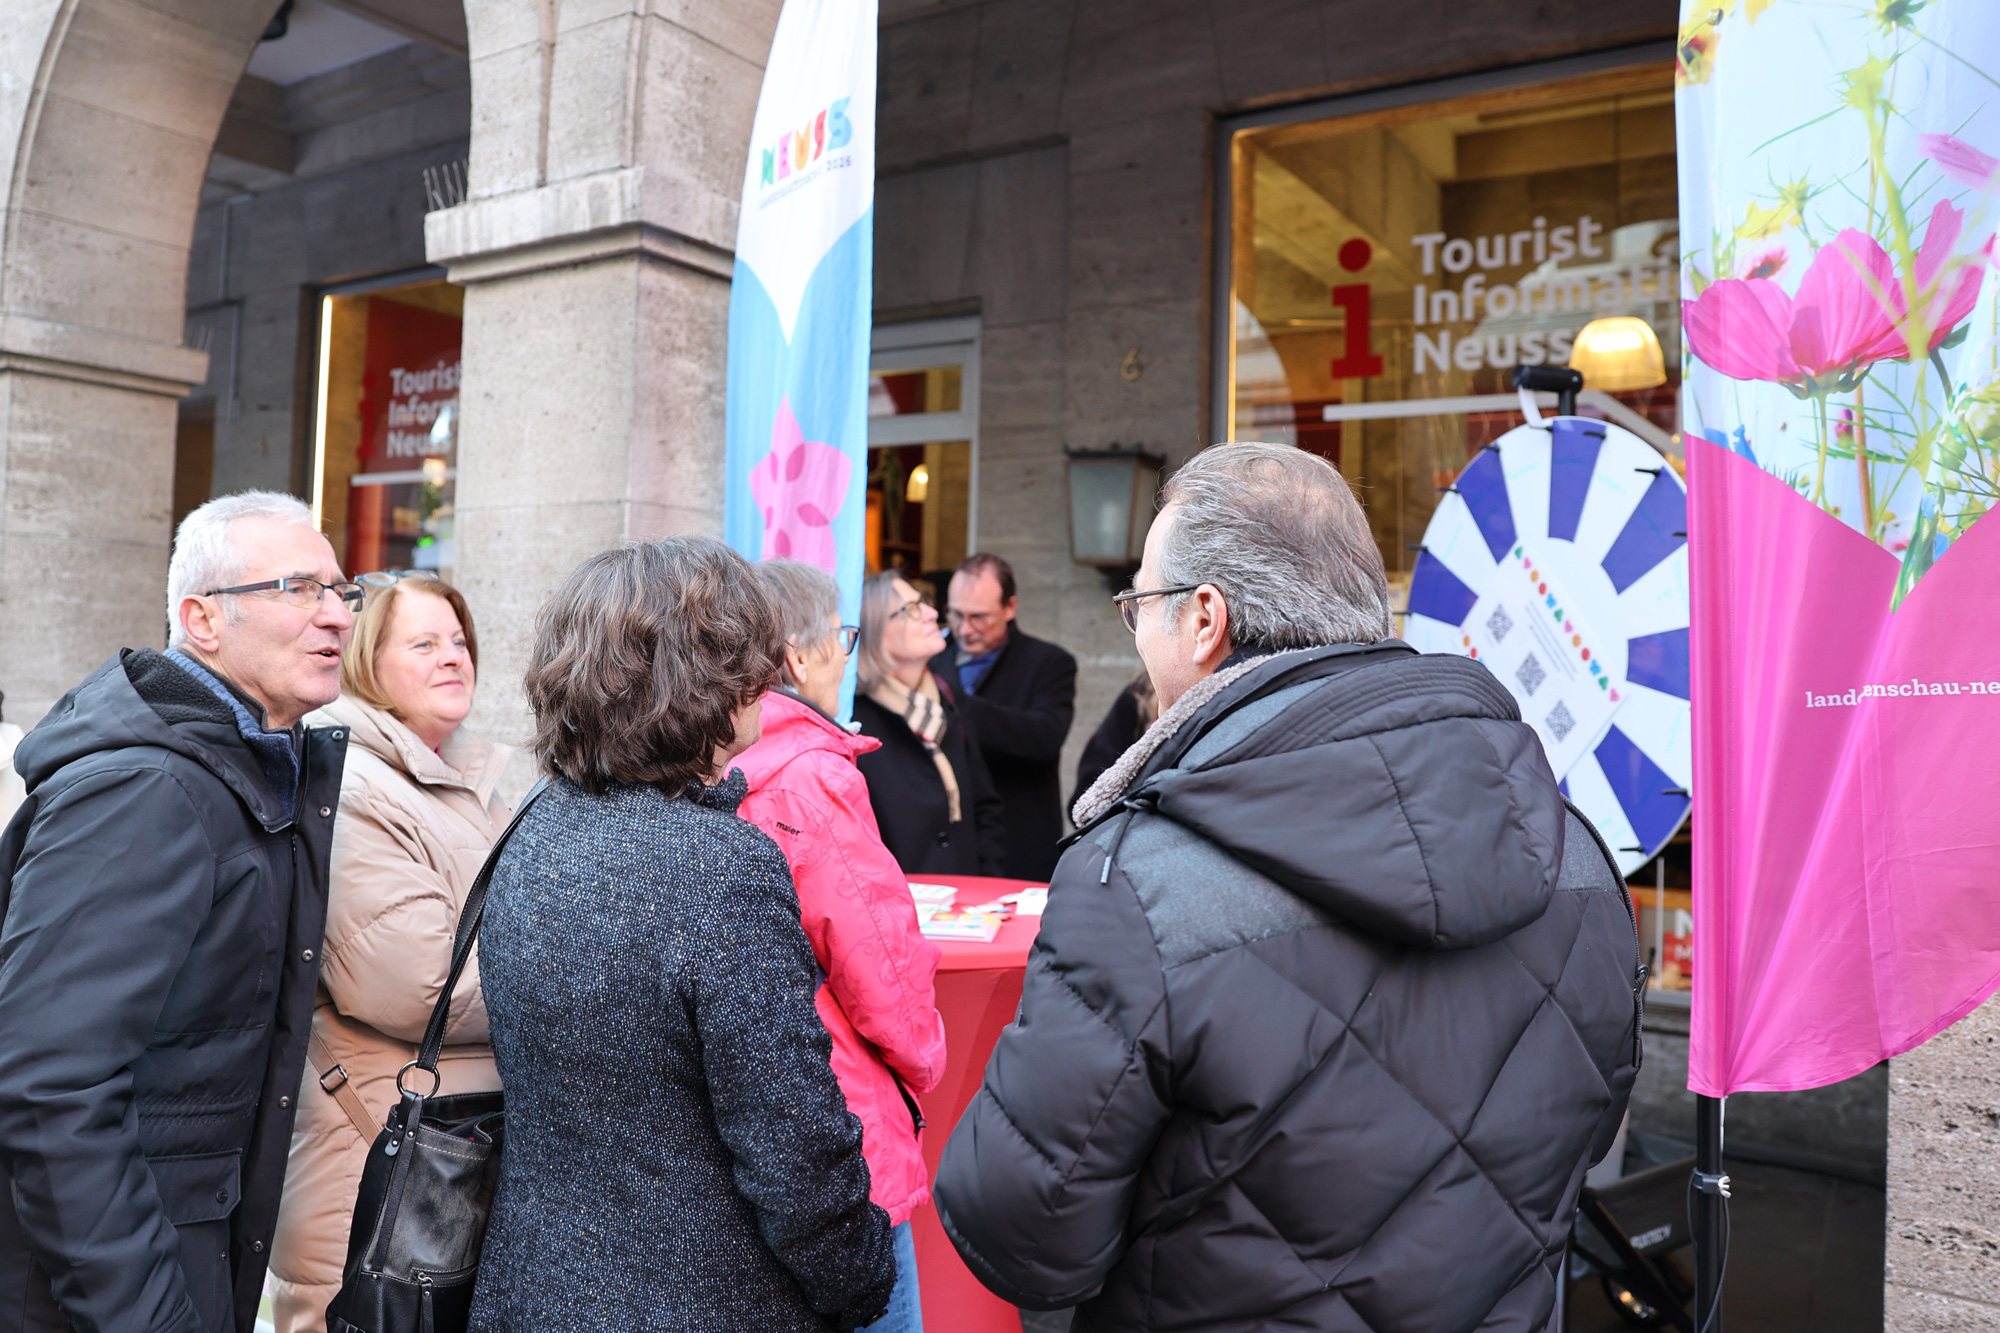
(1111, 500)
(1618, 354)
(919, 488)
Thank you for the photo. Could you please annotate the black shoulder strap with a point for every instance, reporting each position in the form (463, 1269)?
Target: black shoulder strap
(468, 933)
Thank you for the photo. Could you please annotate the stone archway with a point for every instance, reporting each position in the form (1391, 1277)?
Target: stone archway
(109, 110)
(606, 157)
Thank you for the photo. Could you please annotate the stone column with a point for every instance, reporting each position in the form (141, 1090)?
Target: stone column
(107, 113)
(1944, 1181)
(596, 248)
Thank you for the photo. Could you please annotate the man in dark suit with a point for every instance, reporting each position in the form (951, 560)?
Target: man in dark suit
(1020, 695)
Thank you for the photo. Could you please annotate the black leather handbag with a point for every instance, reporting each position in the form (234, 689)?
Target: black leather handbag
(413, 1251)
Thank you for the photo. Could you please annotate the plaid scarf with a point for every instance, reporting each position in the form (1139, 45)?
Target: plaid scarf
(922, 710)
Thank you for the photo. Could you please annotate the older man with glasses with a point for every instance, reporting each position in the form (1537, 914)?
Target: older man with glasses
(1335, 1000)
(1019, 693)
(163, 891)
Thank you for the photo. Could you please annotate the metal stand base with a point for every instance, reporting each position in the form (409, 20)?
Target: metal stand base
(1708, 1195)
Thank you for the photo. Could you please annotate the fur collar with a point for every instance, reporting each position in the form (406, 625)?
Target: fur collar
(1104, 793)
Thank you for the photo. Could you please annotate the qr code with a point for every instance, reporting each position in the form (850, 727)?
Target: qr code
(1531, 674)
(1560, 723)
(1499, 623)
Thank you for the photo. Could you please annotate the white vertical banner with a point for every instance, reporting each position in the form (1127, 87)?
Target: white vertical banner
(797, 423)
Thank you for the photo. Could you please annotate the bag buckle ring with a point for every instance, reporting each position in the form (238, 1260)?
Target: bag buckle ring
(437, 1079)
(338, 1075)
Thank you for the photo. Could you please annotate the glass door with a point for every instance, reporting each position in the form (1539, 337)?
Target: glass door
(923, 448)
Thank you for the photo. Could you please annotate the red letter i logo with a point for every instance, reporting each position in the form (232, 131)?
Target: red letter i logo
(1355, 361)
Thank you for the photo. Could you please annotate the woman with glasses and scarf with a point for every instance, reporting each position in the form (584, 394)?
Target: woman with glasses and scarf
(419, 808)
(934, 800)
(877, 1001)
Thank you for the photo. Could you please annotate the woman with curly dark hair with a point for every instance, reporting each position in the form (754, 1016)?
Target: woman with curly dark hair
(678, 1152)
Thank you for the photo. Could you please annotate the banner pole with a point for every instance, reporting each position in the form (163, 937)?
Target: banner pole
(1709, 1192)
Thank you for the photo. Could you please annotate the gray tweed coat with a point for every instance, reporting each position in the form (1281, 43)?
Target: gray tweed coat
(678, 1156)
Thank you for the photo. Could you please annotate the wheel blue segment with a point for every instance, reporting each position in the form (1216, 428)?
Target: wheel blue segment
(1641, 788)
(1657, 528)
(1659, 662)
(1574, 445)
(1483, 487)
(1436, 592)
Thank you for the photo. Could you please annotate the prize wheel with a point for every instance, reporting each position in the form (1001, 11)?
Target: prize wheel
(1559, 560)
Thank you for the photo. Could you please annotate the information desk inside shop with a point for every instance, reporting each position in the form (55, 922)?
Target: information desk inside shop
(978, 992)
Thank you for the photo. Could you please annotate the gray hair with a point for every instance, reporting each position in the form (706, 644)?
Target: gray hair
(878, 602)
(1279, 532)
(807, 599)
(205, 557)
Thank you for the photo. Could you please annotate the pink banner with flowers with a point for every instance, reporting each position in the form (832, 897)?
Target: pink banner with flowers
(1839, 194)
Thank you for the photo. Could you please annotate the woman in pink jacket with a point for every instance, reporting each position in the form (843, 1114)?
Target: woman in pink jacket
(877, 1001)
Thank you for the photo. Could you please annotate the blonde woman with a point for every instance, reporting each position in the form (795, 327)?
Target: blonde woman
(933, 798)
(417, 815)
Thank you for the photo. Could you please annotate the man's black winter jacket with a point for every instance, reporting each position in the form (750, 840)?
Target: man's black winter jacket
(1021, 714)
(1325, 1023)
(158, 961)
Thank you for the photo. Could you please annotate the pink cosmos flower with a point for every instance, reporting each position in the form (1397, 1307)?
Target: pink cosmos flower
(1961, 161)
(799, 486)
(1844, 317)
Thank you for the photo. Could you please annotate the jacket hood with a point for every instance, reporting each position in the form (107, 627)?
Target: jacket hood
(108, 711)
(793, 727)
(1401, 793)
(464, 760)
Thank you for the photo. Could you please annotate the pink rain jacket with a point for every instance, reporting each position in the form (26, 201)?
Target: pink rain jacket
(878, 1002)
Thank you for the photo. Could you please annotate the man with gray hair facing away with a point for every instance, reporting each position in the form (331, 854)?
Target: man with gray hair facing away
(1335, 1000)
(162, 892)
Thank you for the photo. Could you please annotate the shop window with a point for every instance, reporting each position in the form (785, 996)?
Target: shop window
(1386, 270)
(1382, 272)
(386, 430)
(922, 448)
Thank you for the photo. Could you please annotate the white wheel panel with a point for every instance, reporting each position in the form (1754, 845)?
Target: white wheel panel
(1559, 560)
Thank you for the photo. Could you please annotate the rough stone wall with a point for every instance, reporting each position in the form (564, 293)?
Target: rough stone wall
(1944, 1181)
(107, 111)
(1047, 162)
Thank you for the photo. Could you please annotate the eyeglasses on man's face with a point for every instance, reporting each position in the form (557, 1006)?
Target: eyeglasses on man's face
(977, 619)
(304, 593)
(1128, 601)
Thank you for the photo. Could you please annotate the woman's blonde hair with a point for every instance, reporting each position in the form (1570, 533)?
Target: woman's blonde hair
(371, 627)
(879, 601)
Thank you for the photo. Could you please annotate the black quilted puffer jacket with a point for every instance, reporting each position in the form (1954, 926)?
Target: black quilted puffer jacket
(1327, 1019)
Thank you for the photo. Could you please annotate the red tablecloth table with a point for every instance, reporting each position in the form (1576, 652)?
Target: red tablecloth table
(978, 990)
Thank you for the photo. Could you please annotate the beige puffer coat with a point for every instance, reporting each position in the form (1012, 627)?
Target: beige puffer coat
(414, 827)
